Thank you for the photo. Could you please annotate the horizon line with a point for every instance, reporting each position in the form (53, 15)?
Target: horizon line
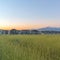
(29, 28)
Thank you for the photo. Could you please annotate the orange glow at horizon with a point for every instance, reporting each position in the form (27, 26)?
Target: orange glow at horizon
(26, 26)
(21, 27)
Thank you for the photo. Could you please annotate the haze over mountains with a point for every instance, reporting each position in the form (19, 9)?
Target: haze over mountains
(50, 29)
(44, 29)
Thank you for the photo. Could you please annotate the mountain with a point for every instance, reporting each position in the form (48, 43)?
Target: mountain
(49, 29)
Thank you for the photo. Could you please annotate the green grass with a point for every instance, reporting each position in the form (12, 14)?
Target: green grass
(29, 47)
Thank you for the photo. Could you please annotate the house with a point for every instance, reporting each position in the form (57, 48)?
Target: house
(35, 32)
(1, 31)
(13, 31)
(5, 32)
(50, 32)
(25, 31)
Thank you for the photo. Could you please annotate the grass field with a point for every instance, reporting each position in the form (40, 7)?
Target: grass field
(29, 47)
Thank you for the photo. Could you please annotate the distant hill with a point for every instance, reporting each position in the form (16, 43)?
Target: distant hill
(49, 29)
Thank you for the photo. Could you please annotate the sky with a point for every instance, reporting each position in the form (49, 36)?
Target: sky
(29, 14)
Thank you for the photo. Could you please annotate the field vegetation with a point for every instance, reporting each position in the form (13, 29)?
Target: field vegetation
(29, 47)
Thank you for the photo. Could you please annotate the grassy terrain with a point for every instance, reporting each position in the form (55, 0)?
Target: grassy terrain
(29, 47)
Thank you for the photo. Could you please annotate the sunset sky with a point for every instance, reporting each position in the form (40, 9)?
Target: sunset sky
(28, 14)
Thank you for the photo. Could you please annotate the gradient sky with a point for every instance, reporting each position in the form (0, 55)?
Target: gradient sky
(28, 14)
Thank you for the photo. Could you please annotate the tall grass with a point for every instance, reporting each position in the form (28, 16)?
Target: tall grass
(30, 47)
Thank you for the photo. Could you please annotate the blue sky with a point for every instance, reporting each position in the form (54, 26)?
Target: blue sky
(29, 13)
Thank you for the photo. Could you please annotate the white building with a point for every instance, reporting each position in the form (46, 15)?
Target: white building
(1, 31)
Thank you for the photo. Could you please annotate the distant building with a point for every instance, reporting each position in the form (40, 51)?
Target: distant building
(25, 31)
(1, 31)
(13, 31)
(5, 32)
(35, 32)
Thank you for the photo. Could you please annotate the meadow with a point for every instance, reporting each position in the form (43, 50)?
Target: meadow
(30, 47)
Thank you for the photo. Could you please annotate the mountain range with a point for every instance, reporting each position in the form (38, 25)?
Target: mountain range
(50, 29)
